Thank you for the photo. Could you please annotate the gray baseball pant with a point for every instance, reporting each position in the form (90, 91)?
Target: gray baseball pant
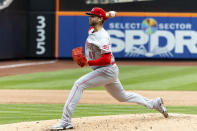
(104, 76)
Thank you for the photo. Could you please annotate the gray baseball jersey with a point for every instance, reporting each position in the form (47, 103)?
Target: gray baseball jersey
(98, 43)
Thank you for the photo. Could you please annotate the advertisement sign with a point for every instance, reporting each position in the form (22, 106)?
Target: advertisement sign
(153, 37)
(72, 33)
(136, 36)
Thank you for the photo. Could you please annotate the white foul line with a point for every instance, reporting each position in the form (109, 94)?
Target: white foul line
(26, 64)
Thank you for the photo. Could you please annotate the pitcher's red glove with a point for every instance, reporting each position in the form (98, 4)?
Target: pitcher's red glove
(78, 56)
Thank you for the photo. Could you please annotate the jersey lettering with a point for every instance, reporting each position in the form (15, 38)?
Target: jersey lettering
(92, 55)
(105, 47)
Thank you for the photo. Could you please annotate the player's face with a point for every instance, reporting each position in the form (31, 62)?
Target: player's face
(94, 20)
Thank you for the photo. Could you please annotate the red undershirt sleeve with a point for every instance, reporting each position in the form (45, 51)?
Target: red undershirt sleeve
(105, 59)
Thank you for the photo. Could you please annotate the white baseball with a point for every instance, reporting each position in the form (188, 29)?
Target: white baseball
(112, 13)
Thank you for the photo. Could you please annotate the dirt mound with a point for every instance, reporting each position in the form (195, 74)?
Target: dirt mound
(136, 122)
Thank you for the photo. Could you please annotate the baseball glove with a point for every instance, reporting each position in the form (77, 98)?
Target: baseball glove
(78, 56)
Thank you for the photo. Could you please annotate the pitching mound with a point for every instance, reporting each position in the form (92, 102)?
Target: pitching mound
(142, 122)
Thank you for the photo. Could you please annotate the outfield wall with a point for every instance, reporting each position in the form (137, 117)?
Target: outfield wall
(41, 28)
(157, 29)
(13, 30)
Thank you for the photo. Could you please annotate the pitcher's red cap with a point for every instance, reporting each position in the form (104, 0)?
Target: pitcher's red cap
(98, 12)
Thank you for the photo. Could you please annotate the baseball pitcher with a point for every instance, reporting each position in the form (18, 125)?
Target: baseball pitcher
(98, 55)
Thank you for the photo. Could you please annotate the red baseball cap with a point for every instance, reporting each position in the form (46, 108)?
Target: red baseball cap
(98, 12)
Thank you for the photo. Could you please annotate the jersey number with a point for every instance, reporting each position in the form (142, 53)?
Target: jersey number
(92, 55)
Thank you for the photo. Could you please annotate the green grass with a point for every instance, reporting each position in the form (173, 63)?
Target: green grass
(132, 78)
(12, 113)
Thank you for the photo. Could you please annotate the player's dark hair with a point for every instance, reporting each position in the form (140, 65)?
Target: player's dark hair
(102, 21)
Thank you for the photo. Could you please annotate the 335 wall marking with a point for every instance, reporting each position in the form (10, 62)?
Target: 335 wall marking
(41, 35)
